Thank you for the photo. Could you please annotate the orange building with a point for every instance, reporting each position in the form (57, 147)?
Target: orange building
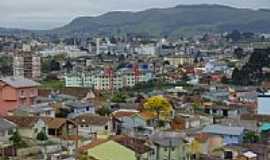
(16, 92)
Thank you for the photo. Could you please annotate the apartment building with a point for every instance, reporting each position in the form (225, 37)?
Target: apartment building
(103, 81)
(28, 65)
(179, 60)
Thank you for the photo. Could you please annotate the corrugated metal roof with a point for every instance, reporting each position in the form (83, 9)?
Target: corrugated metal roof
(6, 125)
(223, 130)
(19, 82)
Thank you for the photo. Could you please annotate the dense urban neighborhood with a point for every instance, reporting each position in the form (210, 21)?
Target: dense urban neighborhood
(135, 96)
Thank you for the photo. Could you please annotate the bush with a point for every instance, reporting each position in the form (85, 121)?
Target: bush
(119, 98)
(104, 111)
(42, 136)
(17, 141)
(251, 137)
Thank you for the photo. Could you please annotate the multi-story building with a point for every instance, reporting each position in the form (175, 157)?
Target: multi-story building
(104, 81)
(16, 92)
(27, 65)
(148, 49)
(179, 60)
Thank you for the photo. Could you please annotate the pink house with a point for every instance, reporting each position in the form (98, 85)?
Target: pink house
(16, 92)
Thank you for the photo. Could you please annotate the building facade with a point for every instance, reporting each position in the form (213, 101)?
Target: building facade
(27, 65)
(16, 92)
(103, 81)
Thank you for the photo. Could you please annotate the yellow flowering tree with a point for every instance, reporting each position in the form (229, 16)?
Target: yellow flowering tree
(159, 105)
(195, 147)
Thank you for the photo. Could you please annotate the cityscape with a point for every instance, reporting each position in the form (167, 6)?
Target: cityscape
(135, 80)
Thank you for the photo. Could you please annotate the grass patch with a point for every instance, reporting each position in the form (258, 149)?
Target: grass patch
(52, 85)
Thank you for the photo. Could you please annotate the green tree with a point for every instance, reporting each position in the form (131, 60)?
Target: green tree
(104, 111)
(119, 98)
(16, 140)
(251, 137)
(42, 136)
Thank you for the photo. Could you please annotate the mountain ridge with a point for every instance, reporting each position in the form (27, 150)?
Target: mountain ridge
(178, 20)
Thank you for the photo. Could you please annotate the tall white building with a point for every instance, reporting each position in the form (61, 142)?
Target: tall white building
(148, 49)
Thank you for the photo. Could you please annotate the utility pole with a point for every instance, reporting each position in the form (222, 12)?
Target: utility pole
(170, 146)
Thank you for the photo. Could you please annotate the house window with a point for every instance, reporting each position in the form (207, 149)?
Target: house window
(22, 92)
(33, 91)
(106, 127)
(173, 148)
(10, 132)
(87, 108)
(165, 149)
(48, 112)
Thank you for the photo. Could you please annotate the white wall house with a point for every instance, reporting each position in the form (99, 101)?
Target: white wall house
(263, 104)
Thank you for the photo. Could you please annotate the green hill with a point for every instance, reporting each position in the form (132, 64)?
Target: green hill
(183, 19)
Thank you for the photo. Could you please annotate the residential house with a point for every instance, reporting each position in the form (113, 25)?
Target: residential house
(227, 134)
(16, 92)
(119, 149)
(38, 110)
(255, 151)
(262, 104)
(199, 145)
(184, 121)
(133, 123)
(250, 125)
(90, 125)
(78, 108)
(6, 130)
(117, 118)
(30, 126)
(177, 91)
(223, 110)
(169, 146)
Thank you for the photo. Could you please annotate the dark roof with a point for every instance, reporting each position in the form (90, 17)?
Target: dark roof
(23, 122)
(253, 117)
(29, 122)
(91, 119)
(167, 138)
(135, 144)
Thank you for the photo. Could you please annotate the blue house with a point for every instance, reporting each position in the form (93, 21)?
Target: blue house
(229, 134)
(78, 108)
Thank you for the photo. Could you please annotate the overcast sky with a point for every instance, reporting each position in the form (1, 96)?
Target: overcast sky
(44, 14)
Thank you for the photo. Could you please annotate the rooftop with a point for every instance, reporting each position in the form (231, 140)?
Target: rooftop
(19, 82)
(6, 125)
(224, 130)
